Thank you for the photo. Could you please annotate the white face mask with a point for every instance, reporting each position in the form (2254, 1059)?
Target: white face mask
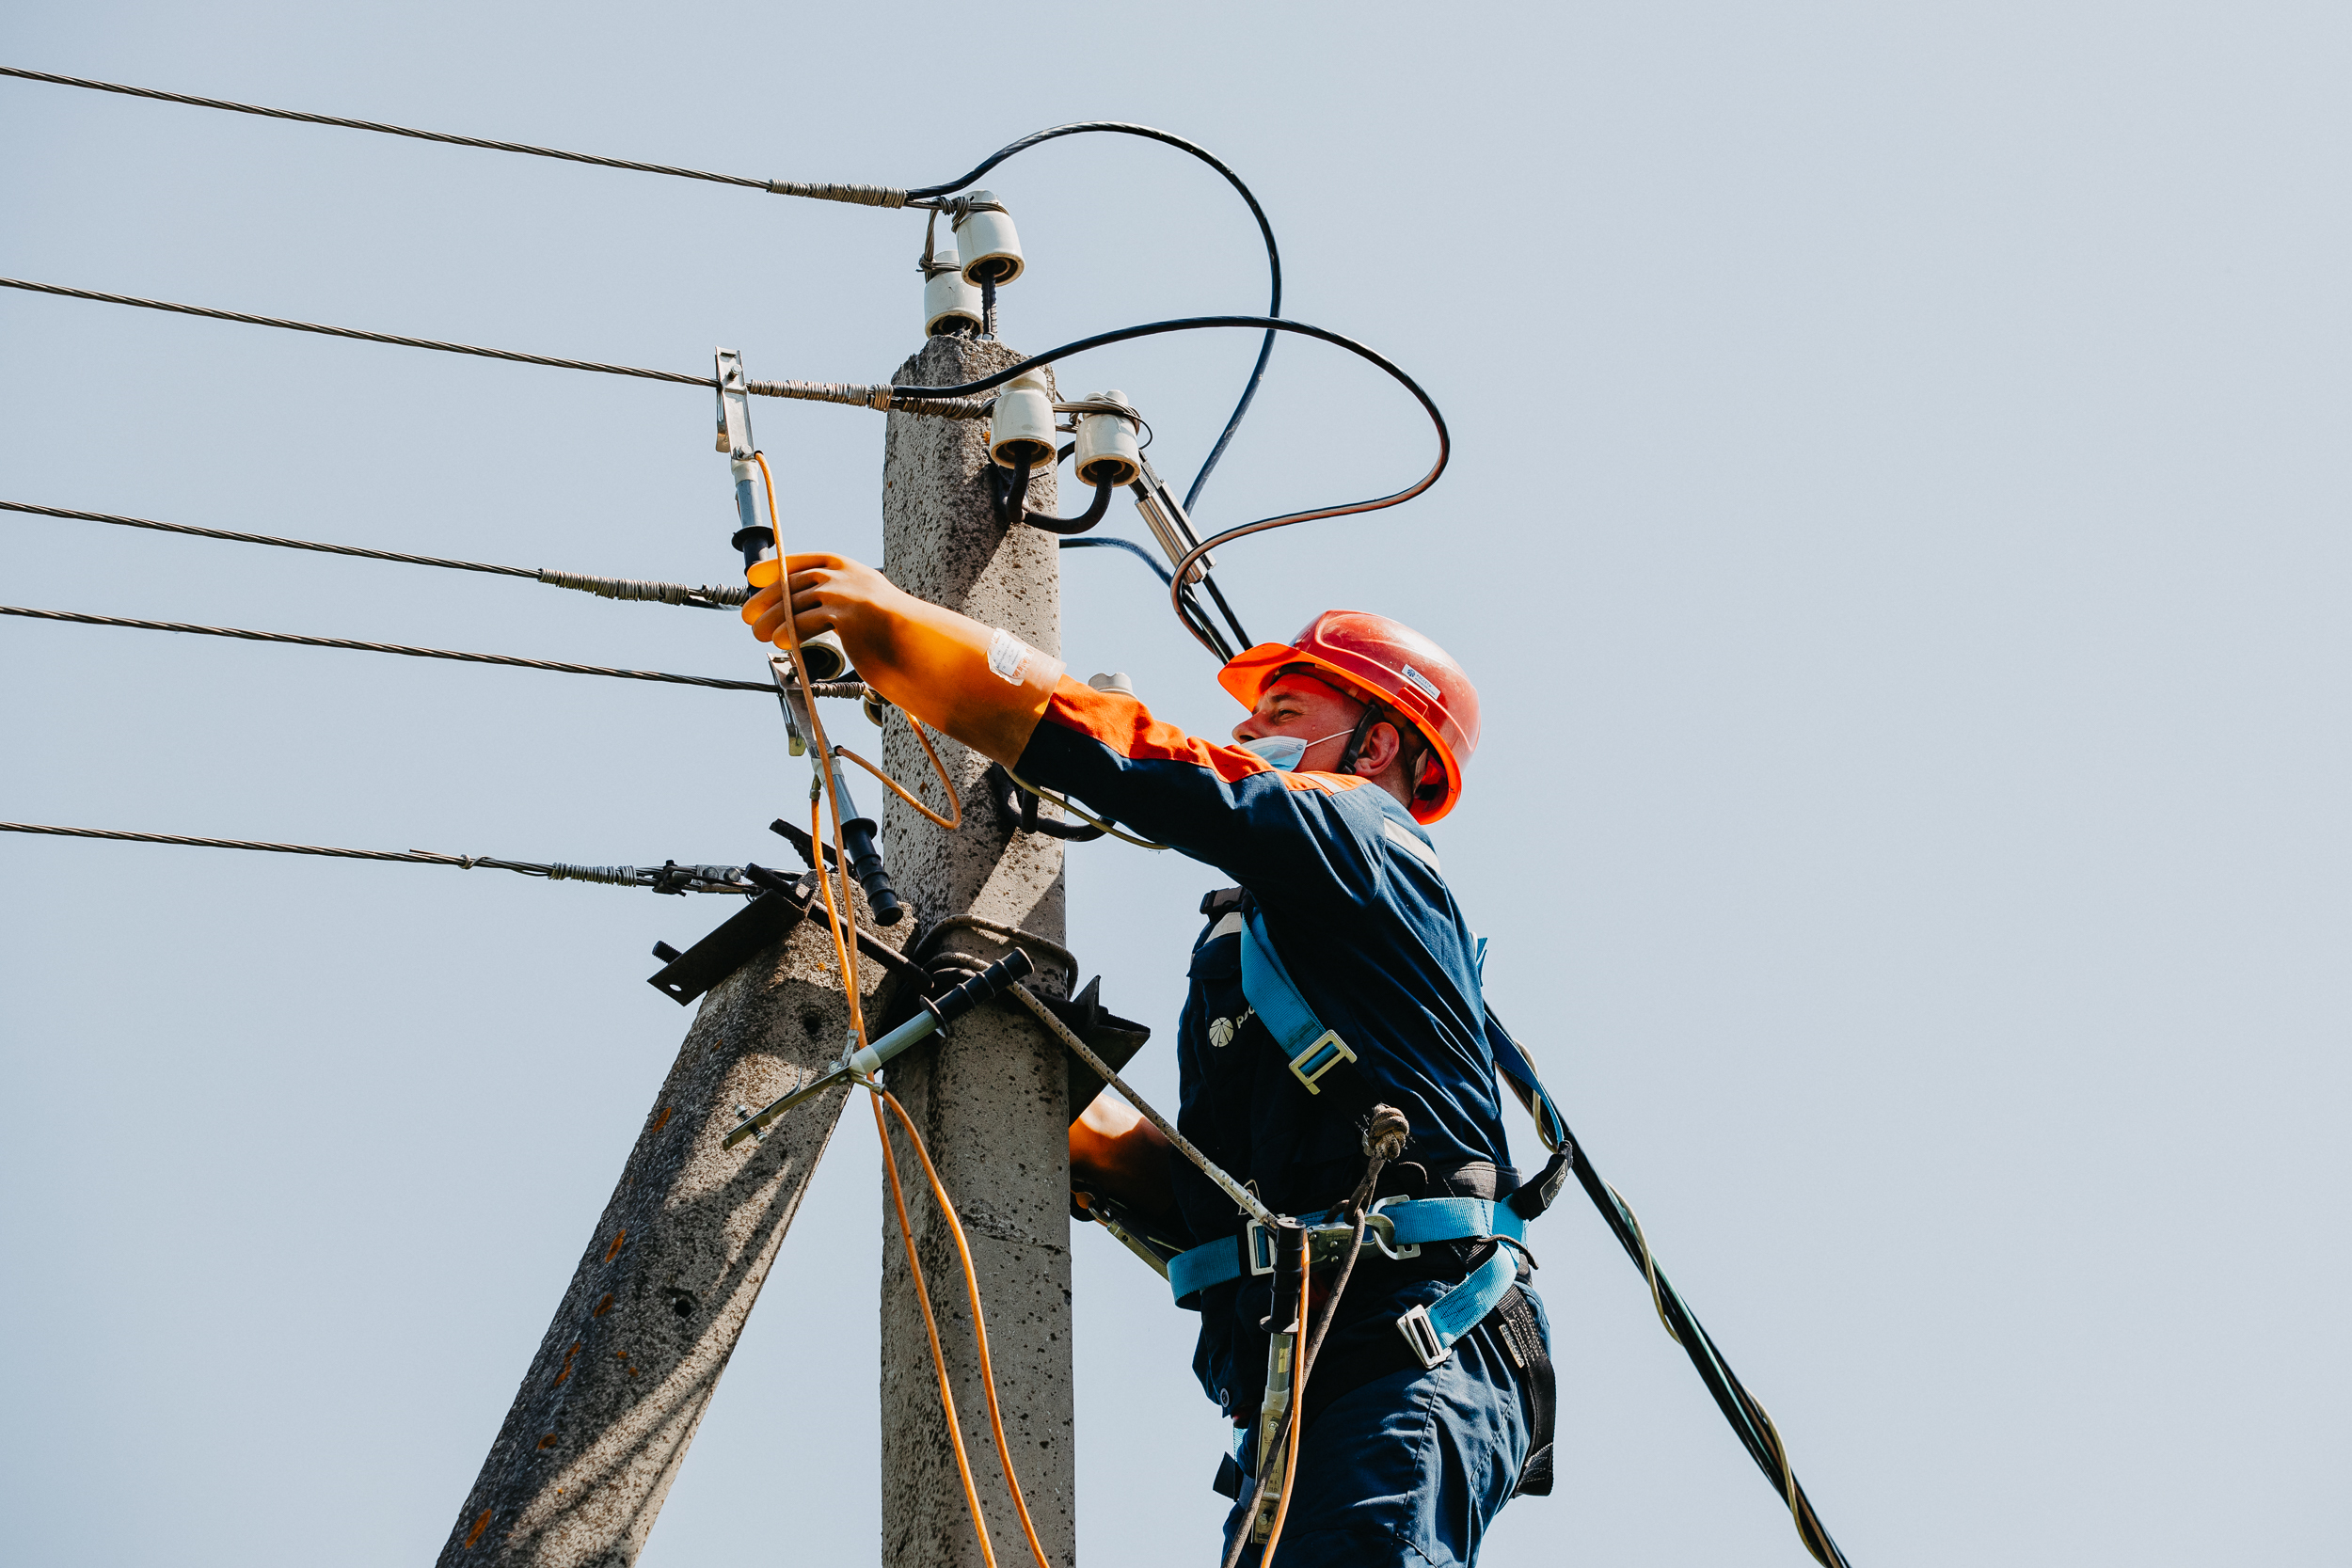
(1283, 750)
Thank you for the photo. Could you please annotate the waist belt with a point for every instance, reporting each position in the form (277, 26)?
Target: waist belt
(1399, 1226)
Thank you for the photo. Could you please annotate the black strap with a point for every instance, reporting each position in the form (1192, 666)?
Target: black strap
(1511, 1328)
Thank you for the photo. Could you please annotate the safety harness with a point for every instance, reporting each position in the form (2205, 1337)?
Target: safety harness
(1401, 1226)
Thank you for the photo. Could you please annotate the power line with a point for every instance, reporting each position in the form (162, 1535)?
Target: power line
(885, 398)
(670, 877)
(860, 195)
(704, 597)
(393, 338)
(767, 688)
(195, 101)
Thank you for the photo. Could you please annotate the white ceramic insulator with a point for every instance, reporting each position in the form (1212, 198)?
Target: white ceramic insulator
(824, 656)
(1106, 445)
(989, 244)
(948, 298)
(1023, 421)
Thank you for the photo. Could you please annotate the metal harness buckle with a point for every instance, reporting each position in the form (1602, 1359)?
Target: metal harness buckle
(1381, 1228)
(1328, 1241)
(1319, 1058)
(1421, 1335)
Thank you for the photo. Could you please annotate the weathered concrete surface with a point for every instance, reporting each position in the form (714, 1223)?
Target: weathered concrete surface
(991, 1100)
(604, 1417)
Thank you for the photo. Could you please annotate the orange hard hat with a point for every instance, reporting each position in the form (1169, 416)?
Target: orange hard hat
(1381, 660)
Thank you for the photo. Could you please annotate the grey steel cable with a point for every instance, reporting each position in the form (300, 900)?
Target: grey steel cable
(673, 877)
(394, 339)
(702, 597)
(764, 688)
(234, 537)
(194, 101)
(884, 398)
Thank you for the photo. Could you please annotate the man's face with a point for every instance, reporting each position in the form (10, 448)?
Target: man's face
(1309, 711)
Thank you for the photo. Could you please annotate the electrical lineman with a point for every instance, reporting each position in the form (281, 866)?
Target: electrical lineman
(1340, 978)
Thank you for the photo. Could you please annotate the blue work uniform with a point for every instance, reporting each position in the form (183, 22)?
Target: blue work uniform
(1399, 1462)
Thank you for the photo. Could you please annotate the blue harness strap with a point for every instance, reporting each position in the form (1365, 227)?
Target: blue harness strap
(1313, 1050)
(1309, 1048)
(1431, 1330)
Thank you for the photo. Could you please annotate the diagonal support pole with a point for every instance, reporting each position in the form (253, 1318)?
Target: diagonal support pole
(604, 1417)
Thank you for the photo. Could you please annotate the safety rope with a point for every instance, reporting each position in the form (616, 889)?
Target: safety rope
(671, 877)
(352, 646)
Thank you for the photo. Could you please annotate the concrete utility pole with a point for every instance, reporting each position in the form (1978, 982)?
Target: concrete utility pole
(991, 1100)
(604, 1417)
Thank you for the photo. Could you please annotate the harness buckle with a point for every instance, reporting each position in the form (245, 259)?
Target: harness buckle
(1421, 1335)
(1319, 1058)
(1257, 1248)
(1382, 1228)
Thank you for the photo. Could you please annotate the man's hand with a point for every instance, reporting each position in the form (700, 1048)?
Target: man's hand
(829, 592)
(978, 685)
(1113, 1151)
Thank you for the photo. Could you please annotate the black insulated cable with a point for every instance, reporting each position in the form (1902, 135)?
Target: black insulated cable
(931, 194)
(1129, 546)
(1195, 323)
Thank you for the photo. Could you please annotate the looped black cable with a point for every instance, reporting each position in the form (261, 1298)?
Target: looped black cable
(1019, 808)
(1195, 324)
(931, 194)
(1008, 494)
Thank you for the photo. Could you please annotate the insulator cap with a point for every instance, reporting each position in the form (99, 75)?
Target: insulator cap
(826, 659)
(1022, 426)
(987, 240)
(949, 302)
(1107, 454)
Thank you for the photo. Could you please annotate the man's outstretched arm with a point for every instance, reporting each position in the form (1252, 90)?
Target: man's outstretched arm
(984, 686)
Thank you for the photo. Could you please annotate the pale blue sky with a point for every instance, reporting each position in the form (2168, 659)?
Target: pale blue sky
(1897, 525)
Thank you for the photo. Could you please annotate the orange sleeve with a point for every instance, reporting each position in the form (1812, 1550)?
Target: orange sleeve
(982, 685)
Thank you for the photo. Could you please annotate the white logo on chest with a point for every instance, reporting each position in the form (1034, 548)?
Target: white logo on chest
(1222, 1030)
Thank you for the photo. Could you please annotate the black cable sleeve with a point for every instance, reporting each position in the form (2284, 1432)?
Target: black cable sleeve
(1738, 1406)
(1227, 610)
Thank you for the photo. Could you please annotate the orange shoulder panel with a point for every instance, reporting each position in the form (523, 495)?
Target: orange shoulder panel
(1127, 727)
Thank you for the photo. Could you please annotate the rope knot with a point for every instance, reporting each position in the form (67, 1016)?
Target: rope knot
(1384, 1139)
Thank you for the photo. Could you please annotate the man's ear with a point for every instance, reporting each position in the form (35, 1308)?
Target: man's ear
(1382, 743)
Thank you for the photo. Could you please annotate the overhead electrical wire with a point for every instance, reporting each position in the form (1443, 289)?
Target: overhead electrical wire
(860, 194)
(959, 402)
(704, 596)
(672, 878)
(352, 646)
(382, 129)
(1746, 1414)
